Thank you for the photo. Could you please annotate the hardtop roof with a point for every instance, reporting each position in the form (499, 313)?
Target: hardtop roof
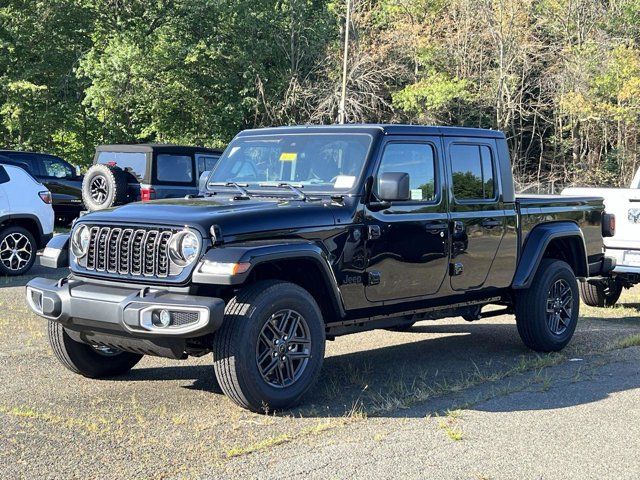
(386, 129)
(155, 147)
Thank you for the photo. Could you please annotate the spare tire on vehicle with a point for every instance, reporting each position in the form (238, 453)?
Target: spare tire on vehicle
(104, 186)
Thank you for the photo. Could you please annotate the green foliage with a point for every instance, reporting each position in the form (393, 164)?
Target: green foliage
(561, 77)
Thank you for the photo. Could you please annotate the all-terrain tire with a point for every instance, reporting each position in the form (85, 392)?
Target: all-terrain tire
(86, 360)
(104, 186)
(18, 250)
(531, 307)
(601, 293)
(236, 344)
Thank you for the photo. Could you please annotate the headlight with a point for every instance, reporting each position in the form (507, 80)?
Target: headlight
(80, 241)
(184, 248)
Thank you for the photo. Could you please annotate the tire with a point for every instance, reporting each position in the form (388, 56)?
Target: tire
(104, 186)
(401, 328)
(86, 360)
(540, 329)
(237, 346)
(601, 293)
(18, 250)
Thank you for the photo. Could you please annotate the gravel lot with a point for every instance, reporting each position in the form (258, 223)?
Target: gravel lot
(450, 399)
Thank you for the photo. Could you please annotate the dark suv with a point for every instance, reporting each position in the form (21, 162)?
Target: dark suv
(129, 173)
(59, 176)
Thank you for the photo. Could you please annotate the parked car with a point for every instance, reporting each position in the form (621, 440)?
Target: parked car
(129, 173)
(623, 246)
(26, 219)
(308, 233)
(60, 177)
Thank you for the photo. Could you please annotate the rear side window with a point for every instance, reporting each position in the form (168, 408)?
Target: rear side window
(472, 172)
(174, 168)
(135, 163)
(24, 160)
(4, 176)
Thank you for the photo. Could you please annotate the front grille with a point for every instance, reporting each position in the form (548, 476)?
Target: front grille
(137, 252)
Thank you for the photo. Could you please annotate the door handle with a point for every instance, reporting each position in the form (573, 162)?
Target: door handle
(491, 223)
(435, 227)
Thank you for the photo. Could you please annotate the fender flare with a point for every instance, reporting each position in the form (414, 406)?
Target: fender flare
(536, 244)
(41, 239)
(264, 253)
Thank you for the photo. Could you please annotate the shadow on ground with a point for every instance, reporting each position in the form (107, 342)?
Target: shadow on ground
(461, 357)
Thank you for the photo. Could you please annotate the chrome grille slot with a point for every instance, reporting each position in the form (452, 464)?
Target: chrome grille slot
(127, 251)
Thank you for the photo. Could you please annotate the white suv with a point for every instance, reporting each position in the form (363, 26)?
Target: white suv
(26, 219)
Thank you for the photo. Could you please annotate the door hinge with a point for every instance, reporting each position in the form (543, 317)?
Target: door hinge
(456, 269)
(373, 278)
(374, 232)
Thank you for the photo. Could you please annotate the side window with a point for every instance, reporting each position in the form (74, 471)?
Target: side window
(56, 168)
(175, 168)
(416, 159)
(4, 176)
(472, 172)
(205, 163)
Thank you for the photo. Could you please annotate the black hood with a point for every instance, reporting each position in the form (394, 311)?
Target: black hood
(234, 217)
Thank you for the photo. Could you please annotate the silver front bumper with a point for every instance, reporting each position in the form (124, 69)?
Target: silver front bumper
(136, 312)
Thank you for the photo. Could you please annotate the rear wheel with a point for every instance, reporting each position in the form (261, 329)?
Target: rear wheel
(547, 312)
(88, 360)
(601, 293)
(18, 251)
(270, 348)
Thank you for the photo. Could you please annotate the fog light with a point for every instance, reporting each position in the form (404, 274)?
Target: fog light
(162, 319)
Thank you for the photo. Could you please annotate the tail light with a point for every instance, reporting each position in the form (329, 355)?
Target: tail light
(46, 197)
(147, 194)
(608, 225)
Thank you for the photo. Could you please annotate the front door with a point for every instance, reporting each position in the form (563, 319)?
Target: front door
(477, 215)
(408, 242)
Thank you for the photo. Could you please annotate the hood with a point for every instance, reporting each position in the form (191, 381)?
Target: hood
(234, 217)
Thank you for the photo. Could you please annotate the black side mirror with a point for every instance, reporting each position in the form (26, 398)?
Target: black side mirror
(394, 187)
(202, 183)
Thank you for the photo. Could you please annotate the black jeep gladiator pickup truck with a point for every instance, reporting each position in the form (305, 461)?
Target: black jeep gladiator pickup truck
(302, 234)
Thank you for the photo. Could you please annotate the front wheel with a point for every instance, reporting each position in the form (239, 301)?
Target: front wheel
(17, 251)
(88, 360)
(270, 348)
(547, 312)
(601, 293)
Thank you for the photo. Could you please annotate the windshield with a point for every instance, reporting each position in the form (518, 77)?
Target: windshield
(318, 162)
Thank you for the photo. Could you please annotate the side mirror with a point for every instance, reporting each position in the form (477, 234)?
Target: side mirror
(202, 183)
(394, 187)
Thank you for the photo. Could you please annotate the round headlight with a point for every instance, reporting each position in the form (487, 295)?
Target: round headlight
(184, 248)
(80, 241)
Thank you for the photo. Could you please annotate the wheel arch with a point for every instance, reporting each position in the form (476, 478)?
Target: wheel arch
(304, 263)
(28, 222)
(562, 240)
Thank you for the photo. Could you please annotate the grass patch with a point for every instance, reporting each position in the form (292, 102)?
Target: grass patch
(262, 445)
(451, 429)
(630, 341)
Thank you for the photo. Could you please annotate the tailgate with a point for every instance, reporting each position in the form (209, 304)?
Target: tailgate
(624, 203)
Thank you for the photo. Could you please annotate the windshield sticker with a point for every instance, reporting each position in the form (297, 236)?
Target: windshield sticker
(344, 181)
(416, 194)
(288, 157)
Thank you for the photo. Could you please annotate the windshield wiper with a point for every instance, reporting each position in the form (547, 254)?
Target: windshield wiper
(294, 188)
(244, 194)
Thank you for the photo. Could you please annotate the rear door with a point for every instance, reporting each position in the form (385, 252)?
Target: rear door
(408, 243)
(478, 219)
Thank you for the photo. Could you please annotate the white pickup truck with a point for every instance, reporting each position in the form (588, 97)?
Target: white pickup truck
(623, 246)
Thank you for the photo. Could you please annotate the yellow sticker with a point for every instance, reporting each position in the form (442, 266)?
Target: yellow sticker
(288, 157)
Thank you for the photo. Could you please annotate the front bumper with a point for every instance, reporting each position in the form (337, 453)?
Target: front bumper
(131, 313)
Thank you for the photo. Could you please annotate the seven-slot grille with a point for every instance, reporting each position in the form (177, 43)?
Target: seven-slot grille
(129, 251)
